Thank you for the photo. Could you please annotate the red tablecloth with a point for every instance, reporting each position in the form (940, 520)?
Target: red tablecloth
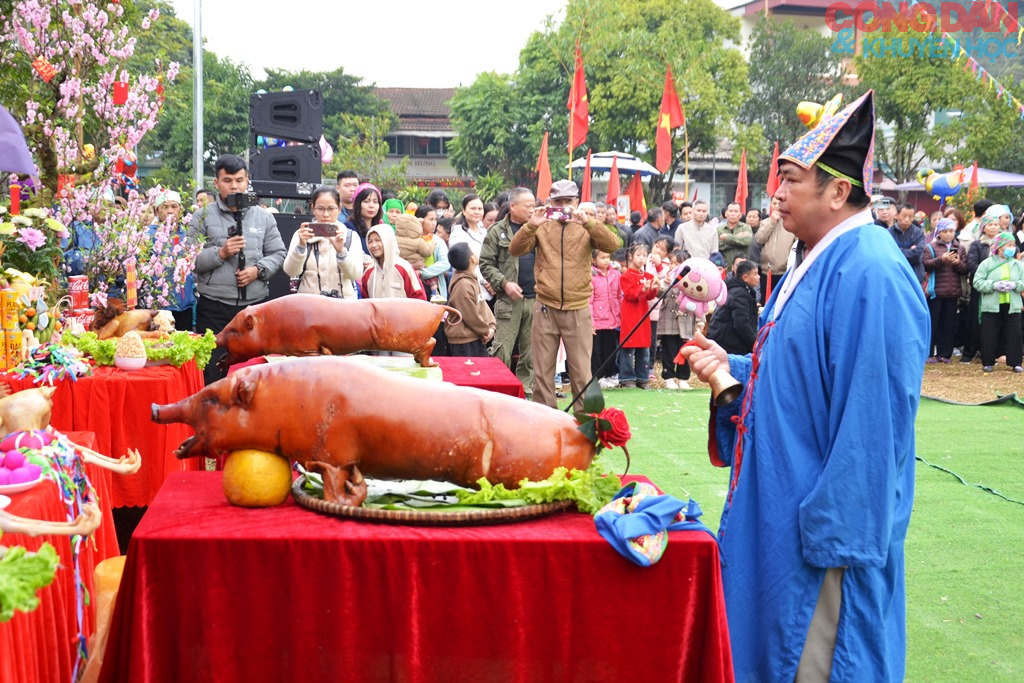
(39, 645)
(491, 374)
(288, 594)
(115, 405)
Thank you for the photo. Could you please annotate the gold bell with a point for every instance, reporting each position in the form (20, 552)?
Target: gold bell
(724, 387)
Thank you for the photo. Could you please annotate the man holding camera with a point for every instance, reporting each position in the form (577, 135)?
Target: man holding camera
(562, 238)
(234, 267)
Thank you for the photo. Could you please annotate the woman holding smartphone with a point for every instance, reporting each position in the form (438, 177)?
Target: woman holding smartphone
(324, 255)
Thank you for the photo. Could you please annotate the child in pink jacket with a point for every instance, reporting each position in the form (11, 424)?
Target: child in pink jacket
(604, 309)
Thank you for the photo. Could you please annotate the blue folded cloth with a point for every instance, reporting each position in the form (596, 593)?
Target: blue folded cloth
(637, 521)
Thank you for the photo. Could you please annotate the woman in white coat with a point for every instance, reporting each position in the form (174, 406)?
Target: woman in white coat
(324, 262)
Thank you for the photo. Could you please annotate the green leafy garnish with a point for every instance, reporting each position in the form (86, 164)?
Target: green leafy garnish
(179, 349)
(591, 489)
(22, 574)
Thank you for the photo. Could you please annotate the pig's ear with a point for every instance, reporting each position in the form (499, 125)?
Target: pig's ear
(242, 393)
(250, 322)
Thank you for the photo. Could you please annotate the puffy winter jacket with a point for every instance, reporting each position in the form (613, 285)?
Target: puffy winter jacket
(946, 281)
(562, 266)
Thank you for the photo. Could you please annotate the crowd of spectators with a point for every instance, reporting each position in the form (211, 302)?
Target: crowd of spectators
(579, 294)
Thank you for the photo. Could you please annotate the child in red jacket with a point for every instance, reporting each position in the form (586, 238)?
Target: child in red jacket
(638, 287)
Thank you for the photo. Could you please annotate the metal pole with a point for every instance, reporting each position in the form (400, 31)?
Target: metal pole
(714, 189)
(197, 105)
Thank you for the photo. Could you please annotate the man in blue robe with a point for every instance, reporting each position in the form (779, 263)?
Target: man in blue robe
(821, 442)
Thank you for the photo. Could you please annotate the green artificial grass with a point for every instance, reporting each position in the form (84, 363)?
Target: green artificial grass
(965, 547)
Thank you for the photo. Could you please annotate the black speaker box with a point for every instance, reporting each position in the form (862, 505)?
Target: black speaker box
(297, 115)
(287, 225)
(295, 164)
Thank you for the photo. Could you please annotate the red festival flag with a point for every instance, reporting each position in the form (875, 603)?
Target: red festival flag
(972, 191)
(741, 184)
(773, 172)
(613, 183)
(579, 109)
(636, 194)
(669, 117)
(543, 171)
(585, 192)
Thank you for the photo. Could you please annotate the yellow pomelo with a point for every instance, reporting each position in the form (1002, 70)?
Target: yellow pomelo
(256, 479)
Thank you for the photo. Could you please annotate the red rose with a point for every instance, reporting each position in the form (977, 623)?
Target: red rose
(618, 434)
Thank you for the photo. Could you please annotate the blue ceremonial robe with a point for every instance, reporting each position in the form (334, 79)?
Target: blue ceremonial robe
(827, 475)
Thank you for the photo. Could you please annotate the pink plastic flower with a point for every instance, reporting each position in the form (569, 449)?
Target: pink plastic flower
(31, 238)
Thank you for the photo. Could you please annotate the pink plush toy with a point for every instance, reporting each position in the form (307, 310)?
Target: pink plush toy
(702, 285)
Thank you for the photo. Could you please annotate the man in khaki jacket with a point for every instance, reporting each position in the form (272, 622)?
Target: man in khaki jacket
(562, 274)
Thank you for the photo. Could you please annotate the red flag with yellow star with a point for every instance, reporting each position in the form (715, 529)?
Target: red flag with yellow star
(670, 116)
(579, 108)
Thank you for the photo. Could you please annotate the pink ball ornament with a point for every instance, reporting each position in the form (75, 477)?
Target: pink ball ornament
(22, 475)
(5, 476)
(14, 459)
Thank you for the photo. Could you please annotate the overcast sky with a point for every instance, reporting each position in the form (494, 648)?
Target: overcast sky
(396, 43)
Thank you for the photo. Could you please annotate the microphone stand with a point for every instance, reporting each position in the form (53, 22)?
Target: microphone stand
(615, 353)
(237, 232)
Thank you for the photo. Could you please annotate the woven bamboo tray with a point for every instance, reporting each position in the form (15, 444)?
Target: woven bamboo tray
(426, 517)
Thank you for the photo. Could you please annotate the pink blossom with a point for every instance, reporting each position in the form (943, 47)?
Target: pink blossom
(31, 237)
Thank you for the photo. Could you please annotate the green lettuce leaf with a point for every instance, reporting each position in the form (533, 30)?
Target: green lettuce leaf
(591, 489)
(178, 349)
(22, 574)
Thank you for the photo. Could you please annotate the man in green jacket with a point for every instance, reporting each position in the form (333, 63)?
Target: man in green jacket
(511, 277)
(734, 236)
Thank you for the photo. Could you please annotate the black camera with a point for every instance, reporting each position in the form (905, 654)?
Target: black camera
(241, 200)
(334, 294)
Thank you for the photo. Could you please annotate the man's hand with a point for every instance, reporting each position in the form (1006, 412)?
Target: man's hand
(705, 356)
(489, 336)
(245, 277)
(537, 217)
(723, 237)
(580, 217)
(231, 247)
(513, 291)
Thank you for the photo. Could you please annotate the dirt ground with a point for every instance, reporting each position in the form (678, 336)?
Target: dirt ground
(963, 382)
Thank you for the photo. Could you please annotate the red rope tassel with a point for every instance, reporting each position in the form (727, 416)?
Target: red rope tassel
(748, 400)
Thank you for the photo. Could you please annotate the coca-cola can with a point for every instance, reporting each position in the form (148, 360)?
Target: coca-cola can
(83, 316)
(78, 289)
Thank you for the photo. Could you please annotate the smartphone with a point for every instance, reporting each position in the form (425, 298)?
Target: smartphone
(323, 229)
(556, 213)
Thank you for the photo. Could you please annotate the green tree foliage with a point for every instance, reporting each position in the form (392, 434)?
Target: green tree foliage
(364, 151)
(909, 90)
(626, 47)
(226, 94)
(496, 128)
(781, 56)
(989, 130)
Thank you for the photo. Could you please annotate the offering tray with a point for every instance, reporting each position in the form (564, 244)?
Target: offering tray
(461, 516)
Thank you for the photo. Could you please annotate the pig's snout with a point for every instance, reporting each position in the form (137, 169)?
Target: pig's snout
(219, 337)
(167, 414)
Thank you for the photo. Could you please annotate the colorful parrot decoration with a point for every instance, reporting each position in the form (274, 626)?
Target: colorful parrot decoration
(942, 185)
